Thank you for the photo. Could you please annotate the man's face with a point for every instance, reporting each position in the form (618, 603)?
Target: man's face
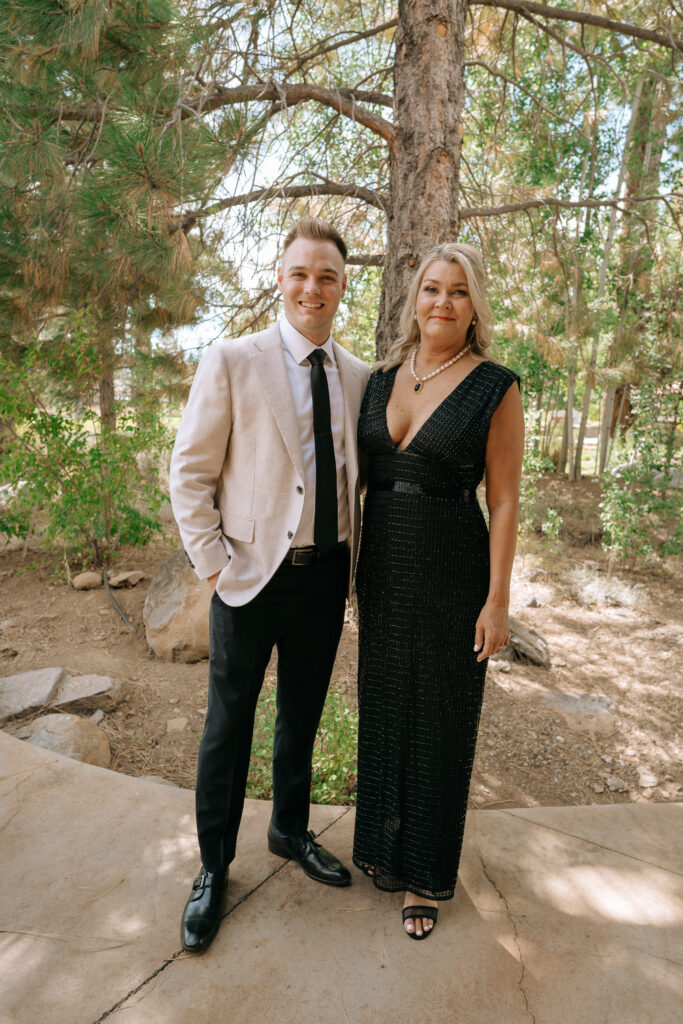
(312, 281)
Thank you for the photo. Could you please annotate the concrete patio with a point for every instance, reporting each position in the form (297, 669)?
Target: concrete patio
(569, 915)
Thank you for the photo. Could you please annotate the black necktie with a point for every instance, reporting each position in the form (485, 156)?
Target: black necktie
(326, 531)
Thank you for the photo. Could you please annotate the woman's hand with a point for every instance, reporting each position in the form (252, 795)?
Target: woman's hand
(492, 631)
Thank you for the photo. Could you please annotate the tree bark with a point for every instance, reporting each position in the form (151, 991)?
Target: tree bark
(429, 90)
(569, 422)
(107, 400)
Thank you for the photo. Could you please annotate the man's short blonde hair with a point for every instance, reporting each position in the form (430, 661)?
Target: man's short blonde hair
(315, 230)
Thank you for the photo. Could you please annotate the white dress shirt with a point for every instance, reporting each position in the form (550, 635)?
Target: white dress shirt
(296, 350)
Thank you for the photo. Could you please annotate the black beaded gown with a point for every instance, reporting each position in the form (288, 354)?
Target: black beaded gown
(422, 580)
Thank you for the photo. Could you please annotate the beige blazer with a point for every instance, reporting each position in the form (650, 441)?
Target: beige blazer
(237, 469)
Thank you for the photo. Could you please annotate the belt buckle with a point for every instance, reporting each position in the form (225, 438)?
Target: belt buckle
(305, 553)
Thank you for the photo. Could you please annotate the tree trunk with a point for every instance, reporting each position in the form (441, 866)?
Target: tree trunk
(605, 424)
(585, 409)
(569, 422)
(106, 400)
(562, 457)
(429, 81)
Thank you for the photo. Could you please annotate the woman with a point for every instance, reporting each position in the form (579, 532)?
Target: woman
(433, 583)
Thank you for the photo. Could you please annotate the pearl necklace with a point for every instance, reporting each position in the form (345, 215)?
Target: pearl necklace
(422, 380)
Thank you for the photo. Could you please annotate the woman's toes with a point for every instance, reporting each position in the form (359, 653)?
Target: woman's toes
(410, 925)
(427, 924)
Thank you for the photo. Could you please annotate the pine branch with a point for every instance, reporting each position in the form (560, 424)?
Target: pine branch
(284, 96)
(305, 57)
(527, 92)
(585, 18)
(365, 261)
(563, 204)
(344, 101)
(327, 188)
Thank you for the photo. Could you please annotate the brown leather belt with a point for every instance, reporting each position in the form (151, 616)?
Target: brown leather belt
(311, 554)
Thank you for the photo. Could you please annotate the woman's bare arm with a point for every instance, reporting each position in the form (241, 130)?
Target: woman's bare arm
(504, 452)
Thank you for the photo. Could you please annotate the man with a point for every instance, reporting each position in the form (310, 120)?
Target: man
(264, 485)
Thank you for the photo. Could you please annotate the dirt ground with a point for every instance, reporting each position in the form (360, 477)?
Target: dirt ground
(617, 634)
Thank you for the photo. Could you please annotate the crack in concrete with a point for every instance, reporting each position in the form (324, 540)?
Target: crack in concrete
(181, 954)
(16, 792)
(520, 984)
(653, 956)
(591, 842)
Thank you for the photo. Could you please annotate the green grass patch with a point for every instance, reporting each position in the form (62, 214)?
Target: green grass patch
(333, 779)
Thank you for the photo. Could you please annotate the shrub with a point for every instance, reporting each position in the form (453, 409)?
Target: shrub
(640, 509)
(333, 779)
(80, 482)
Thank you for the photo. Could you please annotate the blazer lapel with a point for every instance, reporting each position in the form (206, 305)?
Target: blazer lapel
(269, 362)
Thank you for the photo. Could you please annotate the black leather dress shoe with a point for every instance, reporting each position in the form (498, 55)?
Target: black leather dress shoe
(202, 913)
(317, 862)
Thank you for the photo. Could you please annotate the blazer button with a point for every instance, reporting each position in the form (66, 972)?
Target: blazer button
(299, 489)
(290, 534)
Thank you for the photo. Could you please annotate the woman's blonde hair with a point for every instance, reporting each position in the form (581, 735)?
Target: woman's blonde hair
(479, 335)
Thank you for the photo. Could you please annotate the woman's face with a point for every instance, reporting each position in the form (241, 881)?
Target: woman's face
(444, 308)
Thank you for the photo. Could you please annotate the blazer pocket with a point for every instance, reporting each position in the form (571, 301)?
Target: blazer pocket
(237, 528)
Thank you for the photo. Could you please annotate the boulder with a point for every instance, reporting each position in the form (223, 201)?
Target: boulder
(71, 736)
(29, 690)
(125, 578)
(55, 688)
(87, 581)
(159, 779)
(587, 712)
(85, 693)
(176, 612)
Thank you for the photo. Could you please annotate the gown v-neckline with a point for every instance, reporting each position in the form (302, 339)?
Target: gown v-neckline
(432, 413)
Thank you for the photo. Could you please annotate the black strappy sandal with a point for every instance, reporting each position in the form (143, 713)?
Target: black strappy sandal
(412, 912)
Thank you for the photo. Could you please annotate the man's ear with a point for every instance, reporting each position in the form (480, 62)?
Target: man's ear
(279, 277)
(343, 285)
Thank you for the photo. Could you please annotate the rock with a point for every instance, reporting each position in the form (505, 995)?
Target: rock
(22, 733)
(559, 663)
(617, 785)
(126, 579)
(591, 712)
(527, 645)
(176, 724)
(607, 758)
(646, 780)
(29, 690)
(11, 543)
(55, 688)
(176, 612)
(97, 716)
(83, 693)
(597, 788)
(87, 581)
(158, 779)
(533, 603)
(71, 736)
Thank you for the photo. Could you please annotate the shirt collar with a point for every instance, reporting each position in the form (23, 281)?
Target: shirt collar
(301, 347)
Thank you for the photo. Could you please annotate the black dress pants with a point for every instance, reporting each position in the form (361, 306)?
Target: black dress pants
(301, 612)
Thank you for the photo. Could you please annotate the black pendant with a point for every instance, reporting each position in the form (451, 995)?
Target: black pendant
(418, 386)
